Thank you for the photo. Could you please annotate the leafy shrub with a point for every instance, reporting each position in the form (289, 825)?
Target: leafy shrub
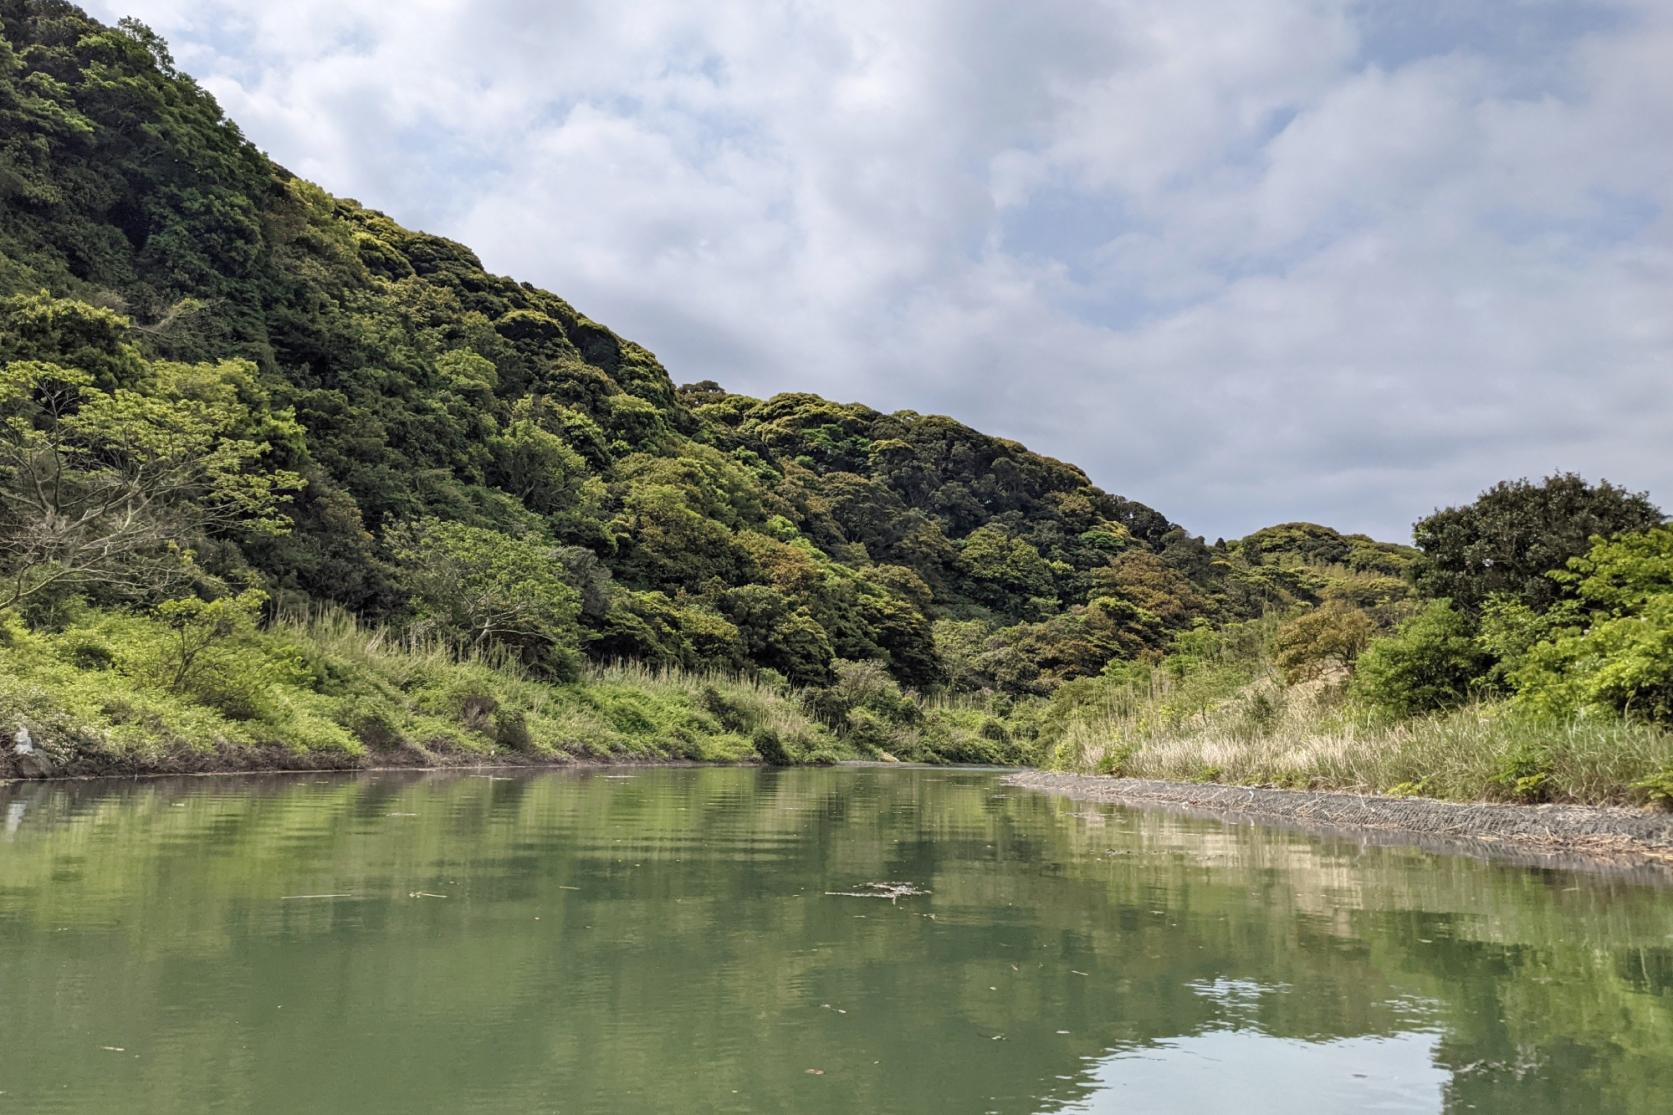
(1526, 772)
(770, 746)
(484, 589)
(1623, 664)
(1657, 787)
(87, 651)
(863, 686)
(731, 714)
(1262, 711)
(1613, 649)
(1326, 638)
(1116, 760)
(199, 625)
(375, 721)
(868, 732)
(511, 729)
(1431, 662)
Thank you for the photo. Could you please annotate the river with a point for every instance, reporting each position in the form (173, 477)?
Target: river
(713, 939)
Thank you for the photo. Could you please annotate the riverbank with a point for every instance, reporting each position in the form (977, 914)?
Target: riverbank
(113, 694)
(247, 763)
(1604, 834)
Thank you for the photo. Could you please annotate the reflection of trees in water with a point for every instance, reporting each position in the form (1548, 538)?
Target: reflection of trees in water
(685, 944)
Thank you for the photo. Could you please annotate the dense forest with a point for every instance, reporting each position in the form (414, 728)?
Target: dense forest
(282, 482)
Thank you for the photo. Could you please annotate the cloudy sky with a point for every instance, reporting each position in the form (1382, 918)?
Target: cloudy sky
(1245, 260)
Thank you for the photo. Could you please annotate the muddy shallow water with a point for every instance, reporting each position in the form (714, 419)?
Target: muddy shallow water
(717, 940)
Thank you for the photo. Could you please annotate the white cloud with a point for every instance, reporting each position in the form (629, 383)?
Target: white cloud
(1247, 261)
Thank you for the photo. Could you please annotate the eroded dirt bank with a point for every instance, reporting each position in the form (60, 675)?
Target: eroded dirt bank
(1581, 835)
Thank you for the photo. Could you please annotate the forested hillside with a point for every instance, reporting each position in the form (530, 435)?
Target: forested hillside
(398, 386)
(395, 385)
(249, 423)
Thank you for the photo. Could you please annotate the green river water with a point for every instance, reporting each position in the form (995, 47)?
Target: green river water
(663, 940)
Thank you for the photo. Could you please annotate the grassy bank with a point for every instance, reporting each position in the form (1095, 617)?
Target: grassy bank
(124, 692)
(1219, 710)
(120, 692)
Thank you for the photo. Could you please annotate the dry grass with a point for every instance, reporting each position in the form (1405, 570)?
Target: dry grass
(1229, 718)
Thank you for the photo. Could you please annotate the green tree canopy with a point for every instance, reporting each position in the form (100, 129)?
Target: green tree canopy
(1516, 532)
(1614, 651)
(484, 589)
(114, 485)
(1432, 662)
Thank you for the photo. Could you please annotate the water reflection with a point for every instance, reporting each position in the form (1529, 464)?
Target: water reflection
(1255, 1074)
(700, 940)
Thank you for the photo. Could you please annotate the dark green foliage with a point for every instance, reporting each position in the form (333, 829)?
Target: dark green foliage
(861, 687)
(1516, 532)
(729, 713)
(770, 747)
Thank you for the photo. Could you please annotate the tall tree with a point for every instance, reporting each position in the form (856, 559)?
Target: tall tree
(1516, 532)
(115, 487)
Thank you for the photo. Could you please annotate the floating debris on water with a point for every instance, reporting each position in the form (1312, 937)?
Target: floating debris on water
(894, 892)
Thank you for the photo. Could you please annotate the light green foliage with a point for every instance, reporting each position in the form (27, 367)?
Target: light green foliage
(101, 696)
(1509, 629)
(651, 628)
(114, 486)
(1623, 574)
(96, 341)
(1007, 568)
(1613, 651)
(1204, 685)
(1214, 705)
(199, 625)
(538, 467)
(960, 645)
(485, 589)
(1432, 662)
(1657, 787)
(1320, 547)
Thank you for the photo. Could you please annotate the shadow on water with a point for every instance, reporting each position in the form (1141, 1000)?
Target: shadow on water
(702, 940)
